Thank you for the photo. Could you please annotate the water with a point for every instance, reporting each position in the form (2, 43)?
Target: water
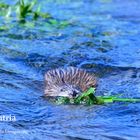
(102, 37)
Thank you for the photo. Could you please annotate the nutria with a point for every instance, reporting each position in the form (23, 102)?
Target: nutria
(68, 82)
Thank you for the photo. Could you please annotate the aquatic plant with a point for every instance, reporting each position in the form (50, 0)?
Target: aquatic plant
(38, 13)
(24, 9)
(3, 8)
(28, 8)
(88, 98)
(3, 28)
(27, 12)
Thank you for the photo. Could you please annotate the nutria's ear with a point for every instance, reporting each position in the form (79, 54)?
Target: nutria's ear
(94, 84)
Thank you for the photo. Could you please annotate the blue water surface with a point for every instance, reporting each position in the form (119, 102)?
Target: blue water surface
(103, 37)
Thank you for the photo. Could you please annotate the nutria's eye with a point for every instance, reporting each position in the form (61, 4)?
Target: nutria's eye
(62, 90)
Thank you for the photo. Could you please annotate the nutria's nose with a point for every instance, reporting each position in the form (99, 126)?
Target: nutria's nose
(74, 93)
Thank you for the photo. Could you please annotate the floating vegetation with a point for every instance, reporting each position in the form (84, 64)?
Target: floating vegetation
(57, 23)
(29, 11)
(3, 8)
(88, 98)
(23, 9)
(3, 28)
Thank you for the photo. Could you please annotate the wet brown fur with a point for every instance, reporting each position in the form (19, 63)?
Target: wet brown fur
(69, 76)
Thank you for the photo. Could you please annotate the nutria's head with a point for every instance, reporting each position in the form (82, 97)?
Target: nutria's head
(65, 90)
(69, 82)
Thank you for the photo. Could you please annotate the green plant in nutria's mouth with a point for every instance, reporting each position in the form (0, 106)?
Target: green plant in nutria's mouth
(88, 98)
